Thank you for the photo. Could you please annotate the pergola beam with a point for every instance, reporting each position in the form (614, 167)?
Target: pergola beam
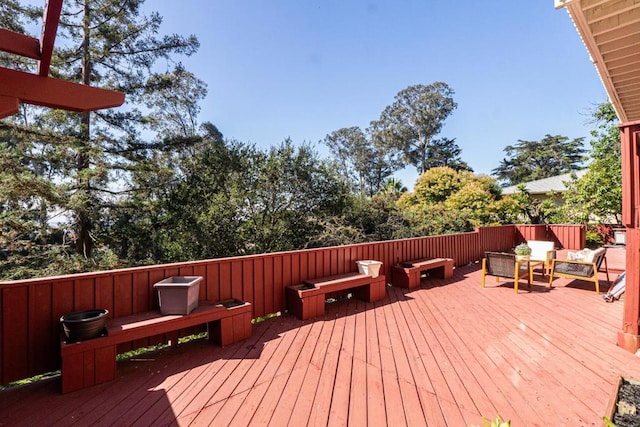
(50, 21)
(54, 93)
(19, 44)
(8, 106)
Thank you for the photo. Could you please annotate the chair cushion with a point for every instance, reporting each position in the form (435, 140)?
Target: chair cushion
(539, 249)
(594, 255)
(578, 255)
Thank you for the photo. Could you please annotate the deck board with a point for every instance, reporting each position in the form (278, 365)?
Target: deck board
(446, 354)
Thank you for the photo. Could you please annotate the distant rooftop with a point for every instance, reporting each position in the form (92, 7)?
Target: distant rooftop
(546, 185)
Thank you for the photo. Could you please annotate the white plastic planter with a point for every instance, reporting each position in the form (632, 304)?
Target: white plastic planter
(369, 267)
(178, 294)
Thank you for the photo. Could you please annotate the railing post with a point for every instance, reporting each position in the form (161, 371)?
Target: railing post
(629, 336)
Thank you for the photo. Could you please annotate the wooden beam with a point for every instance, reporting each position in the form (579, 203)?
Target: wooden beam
(56, 93)
(609, 9)
(8, 106)
(50, 20)
(19, 44)
(614, 22)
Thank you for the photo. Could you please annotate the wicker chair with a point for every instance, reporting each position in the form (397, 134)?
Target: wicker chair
(581, 269)
(503, 265)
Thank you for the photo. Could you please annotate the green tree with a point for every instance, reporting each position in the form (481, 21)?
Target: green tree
(445, 152)
(233, 199)
(532, 160)
(365, 220)
(174, 99)
(393, 186)
(446, 201)
(535, 211)
(111, 44)
(438, 184)
(598, 193)
(363, 158)
(415, 117)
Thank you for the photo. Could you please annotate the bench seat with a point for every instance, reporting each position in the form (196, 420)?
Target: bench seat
(307, 300)
(407, 274)
(92, 362)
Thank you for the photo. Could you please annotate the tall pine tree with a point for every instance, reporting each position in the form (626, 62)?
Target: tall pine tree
(111, 44)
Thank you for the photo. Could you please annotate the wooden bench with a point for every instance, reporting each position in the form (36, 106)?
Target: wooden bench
(91, 362)
(407, 274)
(307, 300)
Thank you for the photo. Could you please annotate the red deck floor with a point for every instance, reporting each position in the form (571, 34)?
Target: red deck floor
(447, 354)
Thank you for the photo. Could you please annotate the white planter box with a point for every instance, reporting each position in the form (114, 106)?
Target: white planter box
(178, 294)
(369, 267)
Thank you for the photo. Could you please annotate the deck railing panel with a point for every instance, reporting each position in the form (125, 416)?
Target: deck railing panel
(29, 322)
(40, 309)
(565, 236)
(568, 236)
(15, 334)
(497, 239)
(531, 232)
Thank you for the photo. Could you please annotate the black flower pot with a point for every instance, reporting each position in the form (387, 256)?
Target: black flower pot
(84, 325)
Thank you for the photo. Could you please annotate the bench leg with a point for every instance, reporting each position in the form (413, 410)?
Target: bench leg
(375, 291)
(88, 368)
(231, 329)
(448, 270)
(399, 277)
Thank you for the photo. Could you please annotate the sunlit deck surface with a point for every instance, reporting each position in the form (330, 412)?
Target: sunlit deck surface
(448, 354)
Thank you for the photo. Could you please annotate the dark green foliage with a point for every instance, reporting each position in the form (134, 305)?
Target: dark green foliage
(232, 199)
(537, 211)
(414, 119)
(532, 160)
(445, 152)
(363, 158)
(446, 201)
(111, 44)
(597, 195)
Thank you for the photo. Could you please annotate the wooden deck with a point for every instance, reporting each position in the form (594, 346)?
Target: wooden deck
(446, 354)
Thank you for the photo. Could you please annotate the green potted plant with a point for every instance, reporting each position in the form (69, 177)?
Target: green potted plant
(522, 252)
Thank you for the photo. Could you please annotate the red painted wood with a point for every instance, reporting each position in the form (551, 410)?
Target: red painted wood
(51, 18)
(247, 280)
(56, 93)
(84, 297)
(213, 282)
(259, 279)
(278, 282)
(440, 354)
(40, 312)
(629, 336)
(226, 290)
(630, 175)
(14, 340)
(19, 44)
(258, 291)
(104, 293)
(123, 295)
(9, 106)
(236, 279)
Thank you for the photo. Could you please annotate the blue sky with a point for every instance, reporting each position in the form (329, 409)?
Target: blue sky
(303, 69)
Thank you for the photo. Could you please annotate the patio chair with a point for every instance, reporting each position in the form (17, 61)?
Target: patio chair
(542, 251)
(586, 268)
(501, 264)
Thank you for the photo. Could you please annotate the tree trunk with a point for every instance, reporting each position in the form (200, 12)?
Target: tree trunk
(84, 242)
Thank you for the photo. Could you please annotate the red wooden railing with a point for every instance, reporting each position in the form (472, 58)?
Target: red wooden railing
(565, 236)
(31, 309)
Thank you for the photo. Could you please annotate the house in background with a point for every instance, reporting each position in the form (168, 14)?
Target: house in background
(542, 189)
